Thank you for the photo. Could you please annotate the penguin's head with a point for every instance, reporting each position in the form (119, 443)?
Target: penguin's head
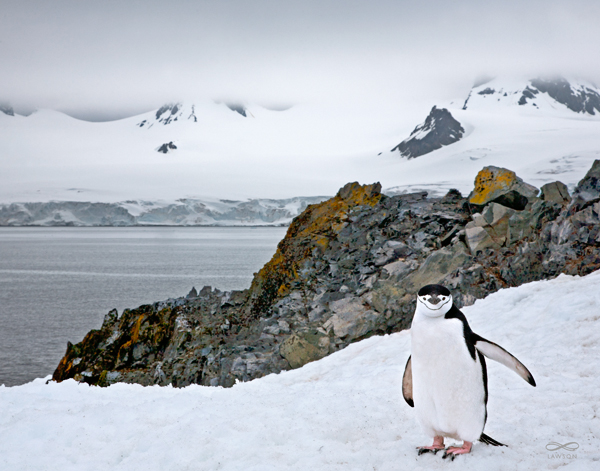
(434, 300)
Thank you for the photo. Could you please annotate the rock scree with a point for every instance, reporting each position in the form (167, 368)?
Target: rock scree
(348, 268)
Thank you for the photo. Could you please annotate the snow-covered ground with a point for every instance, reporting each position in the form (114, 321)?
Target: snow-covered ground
(307, 150)
(344, 412)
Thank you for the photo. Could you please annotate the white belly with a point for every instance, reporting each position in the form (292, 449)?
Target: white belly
(448, 390)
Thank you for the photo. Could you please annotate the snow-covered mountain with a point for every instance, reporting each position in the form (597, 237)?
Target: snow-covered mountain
(220, 154)
(555, 95)
(439, 129)
(544, 130)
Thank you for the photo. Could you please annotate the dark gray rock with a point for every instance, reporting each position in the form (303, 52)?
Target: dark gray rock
(439, 129)
(166, 113)
(217, 337)
(587, 190)
(528, 94)
(556, 192)
(166, 147)
(238, 108)
(7, 109)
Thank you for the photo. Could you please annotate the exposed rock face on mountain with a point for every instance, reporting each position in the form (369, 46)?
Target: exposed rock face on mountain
(184, 212)
(171, 113)
(439, 129)
(166, 147)
(578, 97)
(241, 109)
(348, 268)
(7, 109)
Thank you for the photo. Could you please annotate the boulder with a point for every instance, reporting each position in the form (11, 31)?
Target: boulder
(489, 229)
(350, 318)
(303, 347)
(555, 192)
(435, 268)
(519, 226)
(497, 217)
(587, 190)
(500, 185)
(478, 239)
(400, 268)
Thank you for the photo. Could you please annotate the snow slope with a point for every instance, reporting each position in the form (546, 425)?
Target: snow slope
(343, 412)
(305, 150)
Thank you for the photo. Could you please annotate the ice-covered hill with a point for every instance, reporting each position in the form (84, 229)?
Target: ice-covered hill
(342, 412)
(543, 130)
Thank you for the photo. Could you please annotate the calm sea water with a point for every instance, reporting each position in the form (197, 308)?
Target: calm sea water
(58, 283)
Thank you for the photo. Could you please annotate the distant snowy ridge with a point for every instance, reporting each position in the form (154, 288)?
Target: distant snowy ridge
(184, 212)
(558, 93)
(309, 149)
(172, 112)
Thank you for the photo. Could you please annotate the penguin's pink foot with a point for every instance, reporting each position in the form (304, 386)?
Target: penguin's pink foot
(452, 451)
(438, 444)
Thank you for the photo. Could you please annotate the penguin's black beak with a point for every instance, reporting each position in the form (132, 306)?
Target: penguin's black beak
(434, 300)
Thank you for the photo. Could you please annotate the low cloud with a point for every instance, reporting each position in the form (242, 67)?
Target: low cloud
(111, 59)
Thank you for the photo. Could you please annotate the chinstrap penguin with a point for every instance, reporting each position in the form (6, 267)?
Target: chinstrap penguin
(445, 378)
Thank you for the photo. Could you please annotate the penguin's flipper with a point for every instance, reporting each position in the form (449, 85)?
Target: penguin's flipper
(497, 353)
(407, 390)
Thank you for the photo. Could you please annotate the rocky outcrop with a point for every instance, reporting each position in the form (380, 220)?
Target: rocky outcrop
(238, 108)
(171, 113)
(7, 109)
(557, 192)
(439, 129)
(348, 268)
(587, 191)
(166, 147)
(580, 99)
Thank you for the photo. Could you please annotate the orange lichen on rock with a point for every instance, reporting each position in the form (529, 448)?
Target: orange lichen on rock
(313, 229)
(489, 182)
(135, 333)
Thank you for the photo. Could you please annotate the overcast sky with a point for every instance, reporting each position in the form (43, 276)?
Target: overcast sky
(111, 58)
